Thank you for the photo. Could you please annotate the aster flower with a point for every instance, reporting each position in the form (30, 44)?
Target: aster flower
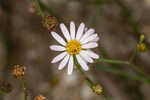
(77, 45)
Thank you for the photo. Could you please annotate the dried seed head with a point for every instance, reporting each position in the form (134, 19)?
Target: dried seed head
(50, 23)
(19, 72)
(40, 97)
(141, 47)
(97, 89)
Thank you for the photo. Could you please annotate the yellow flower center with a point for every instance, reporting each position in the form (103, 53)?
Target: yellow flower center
(73, 47)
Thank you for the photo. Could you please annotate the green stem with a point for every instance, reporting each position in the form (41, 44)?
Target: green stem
(48, 9)
(133, 66)
(88, 81)
(111, 61)
(105, 96)
(24, 89)
(97, 6)
(1, 92)
(133, 55)
(39, 8)
(137, 68)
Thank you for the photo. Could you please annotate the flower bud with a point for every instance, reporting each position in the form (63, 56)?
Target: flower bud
(97, 89)
(142, 37)
(141, 47)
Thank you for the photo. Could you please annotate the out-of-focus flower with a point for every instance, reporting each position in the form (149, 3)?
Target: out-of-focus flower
(19, 72)
(32, 7)
(50, 22)
(78, 46)
(40, 97)
(97, 89)
(141, 47)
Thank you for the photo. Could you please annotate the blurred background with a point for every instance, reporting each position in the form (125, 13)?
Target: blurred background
(25, 41)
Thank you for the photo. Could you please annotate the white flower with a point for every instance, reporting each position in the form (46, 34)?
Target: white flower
(77, 44)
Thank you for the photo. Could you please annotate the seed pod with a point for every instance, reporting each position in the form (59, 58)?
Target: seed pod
(19, 72)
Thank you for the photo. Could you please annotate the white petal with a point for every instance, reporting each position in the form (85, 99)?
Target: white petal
(86, 57)
(91, 54)
(57, 48)
(80, 31)
(90, 38)
(58, 38)
(72, 30)
(90, 45)
(96, 39)
(88, 33)
(65, 32)
(59, 57)
(82, 63)
(63, 62)
(70, 65)
(85, 29)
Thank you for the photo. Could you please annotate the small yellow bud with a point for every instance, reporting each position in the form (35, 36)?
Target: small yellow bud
(40, 97)
(141, 47)
(19, 72)
(97, 89)
(142, 37)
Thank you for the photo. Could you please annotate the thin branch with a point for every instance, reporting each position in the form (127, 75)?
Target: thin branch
(39, 8)
(133, 66)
